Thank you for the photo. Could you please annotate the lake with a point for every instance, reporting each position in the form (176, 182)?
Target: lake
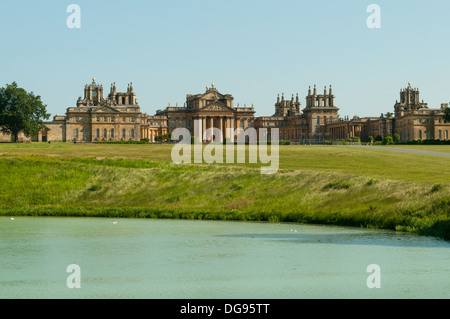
(150, 258)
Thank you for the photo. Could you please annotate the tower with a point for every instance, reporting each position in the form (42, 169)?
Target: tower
(93, 95)
(320, 108)
(409, 101)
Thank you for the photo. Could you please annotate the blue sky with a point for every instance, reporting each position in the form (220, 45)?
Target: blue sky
(253, 50)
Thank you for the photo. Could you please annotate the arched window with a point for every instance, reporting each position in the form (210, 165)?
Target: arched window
(132, 133)
(76, 133)
(249, 123)
(85, 133)
(98, 133)
(123, 133)
(112, 133)
(318, 120)
(420, 134)
(242, 124)
(105, 133)
(446, 134)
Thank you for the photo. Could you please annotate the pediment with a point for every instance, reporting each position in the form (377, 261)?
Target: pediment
(216, 106)
(105, 109)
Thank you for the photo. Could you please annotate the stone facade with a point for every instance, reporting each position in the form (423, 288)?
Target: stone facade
(117, 117)
(209, 110)
(412, 120)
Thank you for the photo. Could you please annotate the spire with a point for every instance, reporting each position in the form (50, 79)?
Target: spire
(315, 90)
(324, 90)
(296, 99)
(278, 98)
(309, 90)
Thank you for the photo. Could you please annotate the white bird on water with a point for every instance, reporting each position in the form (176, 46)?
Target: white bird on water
(115, 222)
(12, 218)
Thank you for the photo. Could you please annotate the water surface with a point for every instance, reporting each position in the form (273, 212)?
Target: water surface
(148, 258)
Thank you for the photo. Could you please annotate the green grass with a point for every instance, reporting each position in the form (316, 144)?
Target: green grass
(315, 184)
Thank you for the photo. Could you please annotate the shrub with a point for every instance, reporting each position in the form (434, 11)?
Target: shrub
(387, 140)
(145, 139)
(94, 188)
(378, 138)
(396, 138)
(436, 188)
(336, 185)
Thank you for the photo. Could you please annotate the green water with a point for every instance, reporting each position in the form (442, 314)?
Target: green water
(138, 258)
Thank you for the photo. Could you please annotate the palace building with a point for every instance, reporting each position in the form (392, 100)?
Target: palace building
(118, 117)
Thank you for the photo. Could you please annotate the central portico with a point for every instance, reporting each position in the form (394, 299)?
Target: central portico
(209, 110)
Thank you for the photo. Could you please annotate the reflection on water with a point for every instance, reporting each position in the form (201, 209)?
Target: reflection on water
(138, 258)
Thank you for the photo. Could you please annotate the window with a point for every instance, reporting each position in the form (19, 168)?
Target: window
(105, 119)
(331, 119)
(124, 119)
(123, 133)
(105, 133)
(77, 119)
(159, 123)
(180, 123)
(112, 119)
(76, 133)
(98, 119)
(112, 133)
(188, 123)
(98, 133)
(85, 119)
(420, 134)
(85, 133)
(318, 120)
(440, 134)
(446, 134)
(249, 123)
(242, 124)
(428, 134)
(123, 101)
(173, 123)
(132, 133)
(133, 119)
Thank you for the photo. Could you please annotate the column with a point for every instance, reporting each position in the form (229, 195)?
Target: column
(221, 128)
(211, 123)
(203, 128)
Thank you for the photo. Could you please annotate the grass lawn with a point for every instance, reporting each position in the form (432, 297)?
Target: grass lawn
(315, 184)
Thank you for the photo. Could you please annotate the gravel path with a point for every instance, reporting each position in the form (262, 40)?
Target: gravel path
(401, 150)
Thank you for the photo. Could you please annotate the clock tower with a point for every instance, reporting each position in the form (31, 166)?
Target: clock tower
(93, 95)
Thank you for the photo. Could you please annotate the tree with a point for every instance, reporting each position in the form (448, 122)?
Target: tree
(370, 138)
(447, 115)
(378, 138)
(21, 111)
